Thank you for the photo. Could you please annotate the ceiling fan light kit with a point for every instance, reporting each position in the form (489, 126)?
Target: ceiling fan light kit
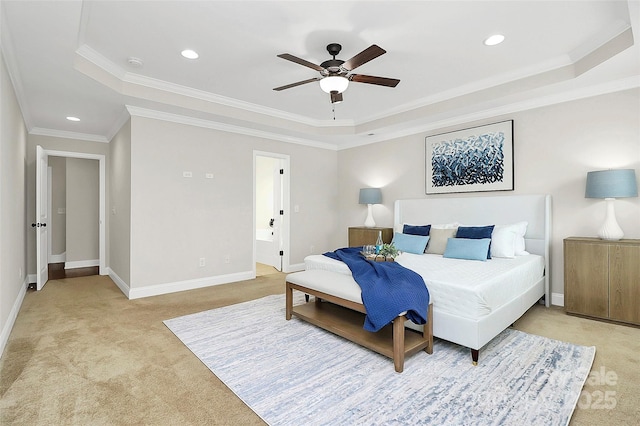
(335, 73)
(334, 83)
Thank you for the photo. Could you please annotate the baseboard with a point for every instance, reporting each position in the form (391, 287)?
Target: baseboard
(294, 268)
(81, 264)
(11, 320)
(58, 258)
(557, 299)
(123, 286)
(156, 290)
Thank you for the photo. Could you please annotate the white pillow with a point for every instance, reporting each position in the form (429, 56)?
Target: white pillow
(520, 229)
(509, 240)
(503, 242)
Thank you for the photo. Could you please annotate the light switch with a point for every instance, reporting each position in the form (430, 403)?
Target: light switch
(209, 175)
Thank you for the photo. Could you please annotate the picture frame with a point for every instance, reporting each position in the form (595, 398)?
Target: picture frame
(476, 159)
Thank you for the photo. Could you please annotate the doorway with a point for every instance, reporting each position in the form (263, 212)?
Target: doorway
(43, 216)
(73, 200)
(271, 212)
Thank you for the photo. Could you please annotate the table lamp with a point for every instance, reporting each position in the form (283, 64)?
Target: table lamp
(370, 196)
(611, 184)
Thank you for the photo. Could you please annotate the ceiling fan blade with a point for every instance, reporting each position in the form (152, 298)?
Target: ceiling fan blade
(336, 97)
(363, 57)
(289, 86)
(380, 81)
(297, 60)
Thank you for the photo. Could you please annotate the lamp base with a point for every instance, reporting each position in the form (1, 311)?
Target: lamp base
(369, 222)
(610, 229)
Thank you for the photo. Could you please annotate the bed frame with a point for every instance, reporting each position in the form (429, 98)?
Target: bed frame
(470, 211)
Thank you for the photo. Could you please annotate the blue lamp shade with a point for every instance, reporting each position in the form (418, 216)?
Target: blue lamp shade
(611, 184)
(370, 196)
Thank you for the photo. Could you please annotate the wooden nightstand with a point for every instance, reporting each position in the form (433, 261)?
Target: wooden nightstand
(602, 279)
(361, 235)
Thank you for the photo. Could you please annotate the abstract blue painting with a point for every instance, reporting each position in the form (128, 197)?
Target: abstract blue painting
(476, 159)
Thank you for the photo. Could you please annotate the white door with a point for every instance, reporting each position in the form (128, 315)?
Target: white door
(277, 223)
(42, 232)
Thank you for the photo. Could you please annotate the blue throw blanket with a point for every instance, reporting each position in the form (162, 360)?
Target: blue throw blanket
(387, 289)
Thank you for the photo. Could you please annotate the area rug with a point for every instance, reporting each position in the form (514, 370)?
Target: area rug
(293, 373)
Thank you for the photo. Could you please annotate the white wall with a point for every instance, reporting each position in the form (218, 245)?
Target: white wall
(119, 217)
(13, 224)
(83, 212)
(554, 148)
(175, 221)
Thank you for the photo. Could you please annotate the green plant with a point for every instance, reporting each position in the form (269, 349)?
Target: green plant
(388, 251)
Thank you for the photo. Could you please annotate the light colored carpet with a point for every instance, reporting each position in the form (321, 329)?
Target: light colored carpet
(291, 372)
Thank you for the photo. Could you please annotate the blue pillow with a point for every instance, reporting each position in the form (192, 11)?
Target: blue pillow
(467, 248)
(410, 243)
(476, 232)
(416, 229)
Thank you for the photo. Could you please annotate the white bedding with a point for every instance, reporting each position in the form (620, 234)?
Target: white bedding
(464, 288)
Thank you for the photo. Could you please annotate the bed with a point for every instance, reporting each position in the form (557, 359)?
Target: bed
(473, 301)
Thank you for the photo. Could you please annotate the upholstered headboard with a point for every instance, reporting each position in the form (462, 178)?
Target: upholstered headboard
(477, 211)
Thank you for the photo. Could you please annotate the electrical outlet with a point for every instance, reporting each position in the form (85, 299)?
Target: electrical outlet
(187, 174)
(227, 259)
(19, 272)
(208, 175)
(202, 261)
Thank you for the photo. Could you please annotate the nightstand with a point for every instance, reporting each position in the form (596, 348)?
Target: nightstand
(602, 279)
(361, 235)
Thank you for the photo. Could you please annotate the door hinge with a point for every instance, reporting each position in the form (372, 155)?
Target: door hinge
(281, 171)
(281, 253)
(281, 212)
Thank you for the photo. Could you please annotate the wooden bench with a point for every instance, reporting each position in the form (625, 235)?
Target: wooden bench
(344, 315)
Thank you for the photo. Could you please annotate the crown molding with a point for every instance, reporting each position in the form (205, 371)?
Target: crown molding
(556, 98)
(599, 40)
(209, 124)
(489, 83)
(117, 125)
(68, 135)
(542, 101)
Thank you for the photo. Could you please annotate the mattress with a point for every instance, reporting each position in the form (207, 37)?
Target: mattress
(464, 288)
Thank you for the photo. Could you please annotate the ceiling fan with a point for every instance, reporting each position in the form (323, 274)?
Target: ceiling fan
(334, 73)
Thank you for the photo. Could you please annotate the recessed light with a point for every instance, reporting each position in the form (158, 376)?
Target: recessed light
(189, 54)
(70, 118)
(494, 39)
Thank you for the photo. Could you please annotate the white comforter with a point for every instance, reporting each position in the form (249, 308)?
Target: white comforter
(465, 288)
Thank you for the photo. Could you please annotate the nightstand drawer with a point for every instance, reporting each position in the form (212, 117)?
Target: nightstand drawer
(361, 235)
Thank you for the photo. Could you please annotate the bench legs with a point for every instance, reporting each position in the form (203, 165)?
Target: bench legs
(398, 343)
(427, 332)
(289, 302)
